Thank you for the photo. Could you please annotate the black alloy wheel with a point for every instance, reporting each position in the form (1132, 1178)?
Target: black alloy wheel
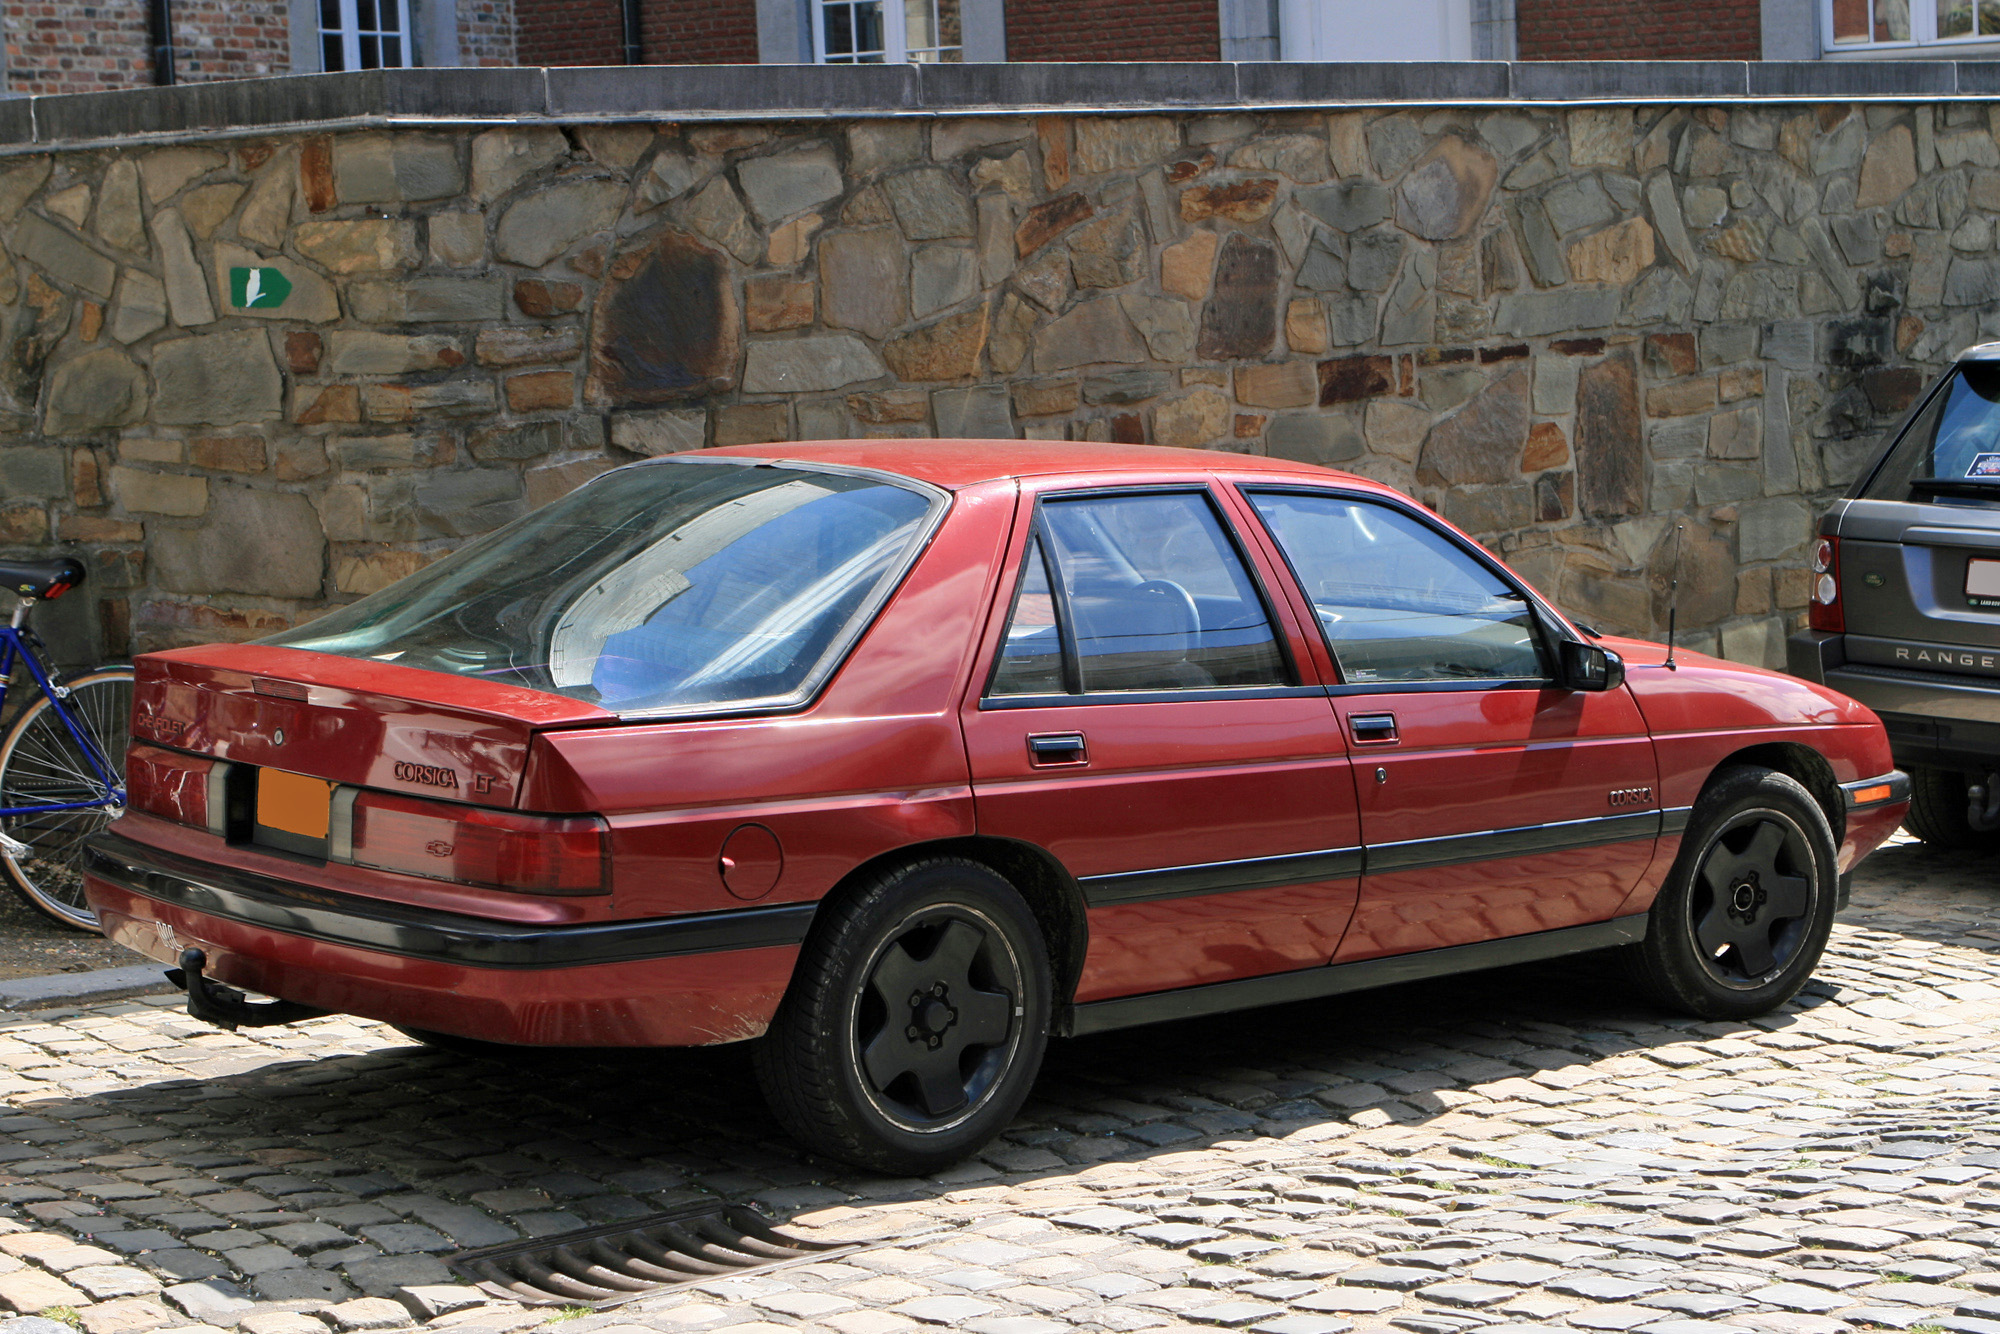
(916, 1019)
(934, 1027)
(1746, 910)
(1753, 898)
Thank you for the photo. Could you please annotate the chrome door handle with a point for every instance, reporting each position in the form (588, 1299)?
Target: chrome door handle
(1047, 748)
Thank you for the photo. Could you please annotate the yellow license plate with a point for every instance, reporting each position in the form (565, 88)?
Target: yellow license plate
(293, 803)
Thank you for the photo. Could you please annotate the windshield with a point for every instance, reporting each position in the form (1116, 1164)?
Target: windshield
(660, 587)
(1951, 447)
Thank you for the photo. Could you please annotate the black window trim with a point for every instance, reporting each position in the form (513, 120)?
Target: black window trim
(1548, 622)
(1065, 627)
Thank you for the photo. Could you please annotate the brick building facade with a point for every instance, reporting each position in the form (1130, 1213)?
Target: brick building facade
(1638, 30)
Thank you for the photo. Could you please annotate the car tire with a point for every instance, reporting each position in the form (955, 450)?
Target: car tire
(1744, 915)
(916, 1019)
(1938, 809)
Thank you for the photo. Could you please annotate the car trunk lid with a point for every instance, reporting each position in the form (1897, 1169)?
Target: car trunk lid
(1920, 585)
(349, 721)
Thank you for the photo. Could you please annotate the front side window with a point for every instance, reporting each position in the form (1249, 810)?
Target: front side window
(663, 587)
(875, 32)
(364, 34)
(1148, 594)
(1398, 600)
(1951, 448)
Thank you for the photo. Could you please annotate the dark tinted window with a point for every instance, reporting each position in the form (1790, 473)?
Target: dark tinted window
(1157, 596)
(1399, 600)
(1952, 447)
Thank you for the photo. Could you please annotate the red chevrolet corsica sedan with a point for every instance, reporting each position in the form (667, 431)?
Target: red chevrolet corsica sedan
(900, 756)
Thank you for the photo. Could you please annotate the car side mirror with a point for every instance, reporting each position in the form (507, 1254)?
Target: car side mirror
(1590, 667)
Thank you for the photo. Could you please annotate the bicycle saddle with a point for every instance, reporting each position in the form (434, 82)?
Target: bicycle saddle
(41, 578)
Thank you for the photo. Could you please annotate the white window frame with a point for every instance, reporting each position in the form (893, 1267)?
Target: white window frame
(895, 32)
(349, 33)
(1923, 32)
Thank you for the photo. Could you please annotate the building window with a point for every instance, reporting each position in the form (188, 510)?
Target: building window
(875, 32)
(1862, 24)
(364, 34)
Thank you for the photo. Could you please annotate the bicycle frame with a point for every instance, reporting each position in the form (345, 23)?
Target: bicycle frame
(17, 642)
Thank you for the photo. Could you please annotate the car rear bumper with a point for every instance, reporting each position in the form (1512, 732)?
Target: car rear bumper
(1934, 719)
(678, 981)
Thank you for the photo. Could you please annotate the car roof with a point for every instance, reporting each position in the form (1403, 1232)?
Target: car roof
(957, 463)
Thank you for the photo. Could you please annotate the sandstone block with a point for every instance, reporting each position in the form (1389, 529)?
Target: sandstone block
(502, 159)
(1096, 331)
(1889, 168)
(1241, 317)
(1121, 143)
(791, 244)
(1546, 448)
(426, 300)
(1351, 379)
(929, 205)
(94, 392)
(770, 304)
(718, 214)
(873, 146)
(395, 167)
(209, 206)
(1238, 201)
(668, 329)
(216, 380)
(1305, 325)
(1348, 206)
(666, 432)
(187, 284)
(1185, 266)
(996, 239)
(546, 223)
(63, 257)
(1013, 174)
(458, 240)
(670, 176)
(1287, 384)
(166, 170)
(1324, 438)
(527, 440)
(1490, 509)
(1201, 418)
(862, 283)
(1618, 254)
(228, 453)
(267, 213)
(403, 402)
(33, 470)
(809, 365)
(1446, 190)
(941, 276)
(790, 182)
(948, 349)
(1482, 442)
(541, 391)
(119, 220)
(142, 492)
(753, 423)
(18, 184)
(1396, 428)
(334, 403)
(1600, 137)
(543, 300)
(362, 245)
(358, 352)
(513, 345)
(1167, 324)
(1610, 452)
(1044, 222)
(71, 205)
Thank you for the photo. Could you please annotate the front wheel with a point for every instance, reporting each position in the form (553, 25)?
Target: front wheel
(43, 763)
(1746, 910)
(915, 1022)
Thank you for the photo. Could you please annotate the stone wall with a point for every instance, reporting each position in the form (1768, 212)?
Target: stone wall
(1568, 329)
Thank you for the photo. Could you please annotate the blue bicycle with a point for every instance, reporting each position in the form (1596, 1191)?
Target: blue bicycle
(62, 759)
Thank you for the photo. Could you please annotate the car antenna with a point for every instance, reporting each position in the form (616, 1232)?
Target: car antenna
(1673, 599)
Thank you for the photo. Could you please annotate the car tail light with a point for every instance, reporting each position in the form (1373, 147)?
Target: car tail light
(172, 786)
(530, 854)
(1825, 612)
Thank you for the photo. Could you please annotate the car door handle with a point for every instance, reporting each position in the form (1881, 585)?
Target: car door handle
(1372, 729)
(1047, 748)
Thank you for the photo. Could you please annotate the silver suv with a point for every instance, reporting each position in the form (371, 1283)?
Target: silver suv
(1905, 612)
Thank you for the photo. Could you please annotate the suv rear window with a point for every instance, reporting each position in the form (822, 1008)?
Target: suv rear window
(662, 587)
(1951, 447)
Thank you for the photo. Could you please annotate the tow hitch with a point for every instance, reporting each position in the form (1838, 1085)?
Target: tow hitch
(226, 1007)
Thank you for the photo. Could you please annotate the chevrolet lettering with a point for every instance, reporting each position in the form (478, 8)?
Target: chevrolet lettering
(900, 759)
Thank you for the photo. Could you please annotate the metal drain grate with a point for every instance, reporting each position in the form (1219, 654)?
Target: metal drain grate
(603, 1266)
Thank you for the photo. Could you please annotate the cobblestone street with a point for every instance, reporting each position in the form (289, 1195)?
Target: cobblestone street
(1513, 1149)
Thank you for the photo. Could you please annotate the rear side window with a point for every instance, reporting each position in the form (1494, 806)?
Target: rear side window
(1951, 447)
(1141, 592)
(1398, 600)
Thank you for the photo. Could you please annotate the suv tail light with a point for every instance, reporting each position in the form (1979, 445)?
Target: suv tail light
(1825, 612)
(172, 786)
(529, 854)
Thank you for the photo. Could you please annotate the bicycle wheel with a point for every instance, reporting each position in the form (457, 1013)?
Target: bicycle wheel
(41, 762)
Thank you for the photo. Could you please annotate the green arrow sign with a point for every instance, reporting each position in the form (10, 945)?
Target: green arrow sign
(258, 289)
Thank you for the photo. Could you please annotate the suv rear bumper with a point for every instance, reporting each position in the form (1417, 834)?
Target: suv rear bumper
(669, 982)
(1934, 719)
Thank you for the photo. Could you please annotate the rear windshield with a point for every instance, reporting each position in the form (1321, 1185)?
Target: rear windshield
(663, 587)
(1951, 448)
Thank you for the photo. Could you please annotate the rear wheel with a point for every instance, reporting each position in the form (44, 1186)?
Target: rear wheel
(1938, 811)
(915, 1022)
(1746, 910)
(43, 763)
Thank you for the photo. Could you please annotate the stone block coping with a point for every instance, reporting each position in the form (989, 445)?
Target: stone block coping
(737, 92)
